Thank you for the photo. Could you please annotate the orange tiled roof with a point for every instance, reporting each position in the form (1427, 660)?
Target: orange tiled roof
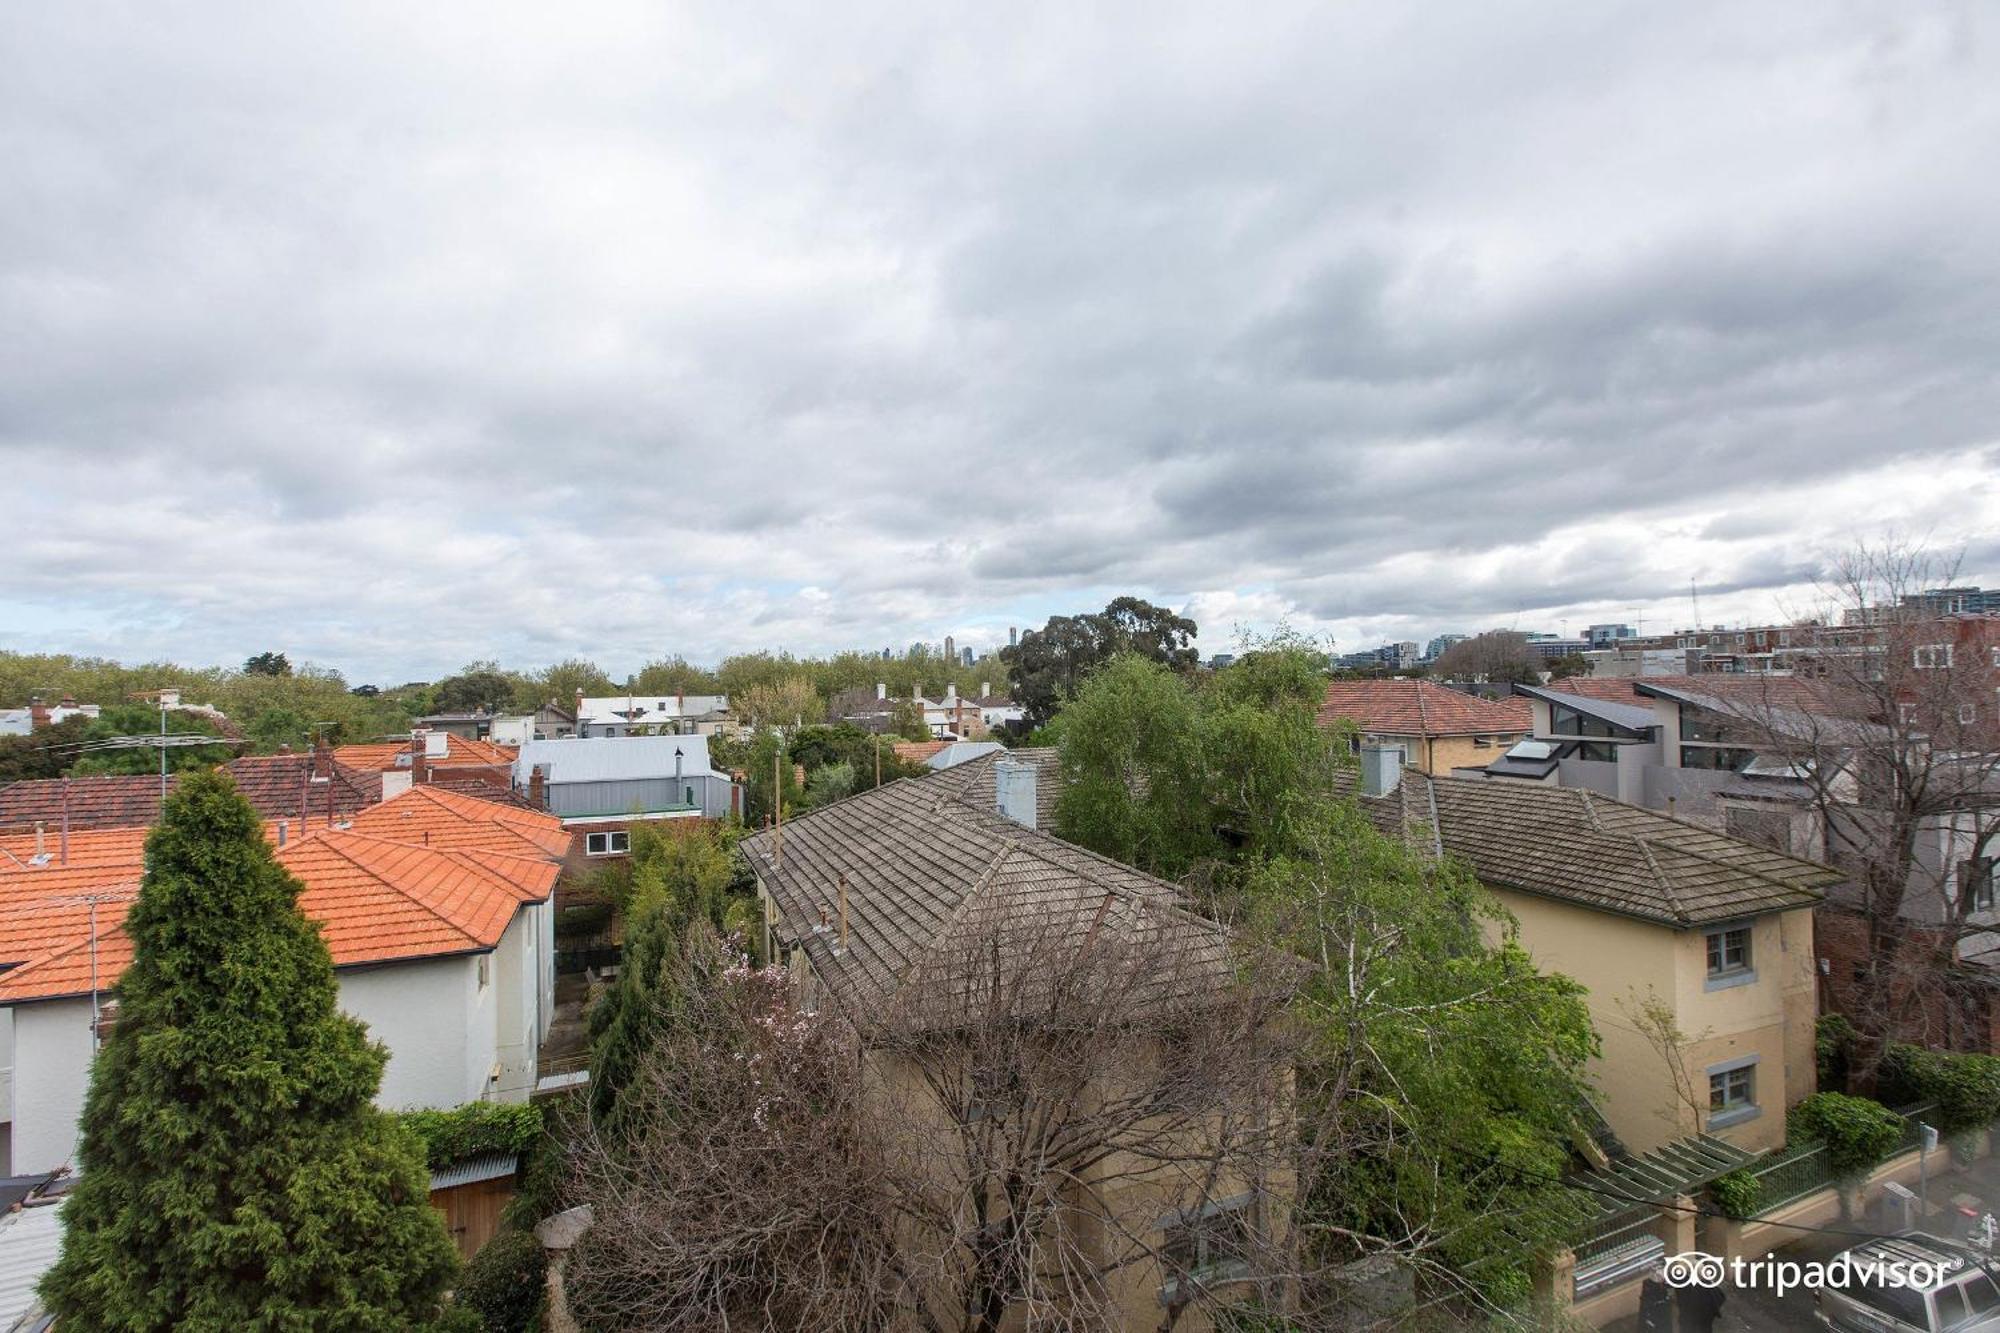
(378, 893)
(916, 752)
(432, 817)
(380, 756)
(1421, 708)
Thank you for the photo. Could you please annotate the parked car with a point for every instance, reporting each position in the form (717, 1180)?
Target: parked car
(1965, 1300)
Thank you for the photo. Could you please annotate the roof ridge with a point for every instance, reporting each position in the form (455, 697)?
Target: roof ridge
(397, 889)
(1666, 886)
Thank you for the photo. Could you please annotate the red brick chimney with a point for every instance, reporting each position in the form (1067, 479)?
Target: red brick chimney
(538, 788)
(420, 768)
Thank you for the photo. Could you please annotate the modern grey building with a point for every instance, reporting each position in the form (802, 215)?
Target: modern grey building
(602, 778)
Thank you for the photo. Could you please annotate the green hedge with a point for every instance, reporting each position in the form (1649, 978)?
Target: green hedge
(1736, 1194)
(1857, 1132)
(466, 1131)
(1965, 1087)
(505, 1282)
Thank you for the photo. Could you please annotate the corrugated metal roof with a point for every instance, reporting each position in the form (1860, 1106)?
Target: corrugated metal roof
(486, 1166)
(30, 1240)
(612, 758)
(962, 752)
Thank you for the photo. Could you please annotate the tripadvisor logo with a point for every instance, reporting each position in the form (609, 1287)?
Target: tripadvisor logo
(1695, 1269)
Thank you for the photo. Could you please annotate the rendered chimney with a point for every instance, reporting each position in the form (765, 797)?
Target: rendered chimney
(1381, 769)
(1014, 790)
(881, 690)
(986, 689)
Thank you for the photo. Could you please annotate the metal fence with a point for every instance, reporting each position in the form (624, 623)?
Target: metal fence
(1791, 1175)
(1619, 1248)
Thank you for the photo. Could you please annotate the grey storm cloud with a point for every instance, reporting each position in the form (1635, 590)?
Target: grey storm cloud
(400, 337)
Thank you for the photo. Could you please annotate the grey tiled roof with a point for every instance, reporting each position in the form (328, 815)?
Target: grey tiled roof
(1577, 845)
(933, 871)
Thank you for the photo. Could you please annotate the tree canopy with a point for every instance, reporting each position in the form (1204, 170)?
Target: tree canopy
(1444, 1077)
(1050, 664)
(1496, 656)
(234, 1170)
(268, 664)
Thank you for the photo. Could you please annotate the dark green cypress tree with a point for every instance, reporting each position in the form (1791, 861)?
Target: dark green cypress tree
(235, 1173)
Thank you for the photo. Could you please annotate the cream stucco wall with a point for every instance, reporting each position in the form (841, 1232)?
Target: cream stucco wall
(1441, 754)
(1622, 961)
(444, 1028)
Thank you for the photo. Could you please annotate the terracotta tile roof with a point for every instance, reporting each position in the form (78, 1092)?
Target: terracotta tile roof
(433, 817)
(929, 867)
(1744, 690)
(273, 784)
(483, 791)
(377, 891)
(1421, 708)
(380, 756)
(1577, 845)
(915, 752)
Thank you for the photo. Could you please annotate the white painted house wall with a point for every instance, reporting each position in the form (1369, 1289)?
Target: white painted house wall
(445, 1030)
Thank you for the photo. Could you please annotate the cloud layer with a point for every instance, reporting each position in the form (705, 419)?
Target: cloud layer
(396, 337)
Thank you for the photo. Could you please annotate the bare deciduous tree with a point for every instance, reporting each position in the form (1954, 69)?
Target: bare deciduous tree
(1056, 1121)
(1889, 734)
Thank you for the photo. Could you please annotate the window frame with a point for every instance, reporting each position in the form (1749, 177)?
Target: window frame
(1207, 1268)
(1719, 973)
(1733, 1113)
(1920, 652)
(617, 842)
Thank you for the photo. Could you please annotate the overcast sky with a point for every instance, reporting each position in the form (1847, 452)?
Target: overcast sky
(397, 336)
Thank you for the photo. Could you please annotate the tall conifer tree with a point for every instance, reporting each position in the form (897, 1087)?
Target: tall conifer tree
(235, 1173)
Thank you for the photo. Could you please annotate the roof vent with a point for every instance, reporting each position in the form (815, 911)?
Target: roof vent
(1381, 769)
(1014, 790)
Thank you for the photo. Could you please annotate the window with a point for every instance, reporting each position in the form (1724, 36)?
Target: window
(1209, 1245)
(1931, 656)
(1716, 757)
(1729, 952)
(1566, 721)
(688, 795)
(607, 844)
(1732, 1094)
(1968, 713)
(1699, 724)
(1602, 752)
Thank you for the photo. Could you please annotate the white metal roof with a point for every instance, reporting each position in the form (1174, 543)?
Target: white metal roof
(651, 708)
(960, 752)
(612, 758)
(30, 1240)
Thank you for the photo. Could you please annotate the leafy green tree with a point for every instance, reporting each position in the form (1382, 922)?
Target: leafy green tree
(43, 754)
(144, 720)
(479, 685)
(275, 727)
(235, 1173)
(675, 675)
(845, 746)
(268, 664)
(1444, 1077)
(1564, 668)
(906, 720)
(762, 768)
(678, 878)
(1050, 664)
(561, 683)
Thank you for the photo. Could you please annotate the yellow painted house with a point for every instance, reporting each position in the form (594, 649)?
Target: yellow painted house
(1437, 728)
(1696, 947)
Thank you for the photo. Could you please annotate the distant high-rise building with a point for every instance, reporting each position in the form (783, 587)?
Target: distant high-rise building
(1013, 637)
(1955, 601)
(1606, 636)
(1436, 647)
(950, 653)
(965, 657)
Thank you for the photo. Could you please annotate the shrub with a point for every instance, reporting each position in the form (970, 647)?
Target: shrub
(1833, 1044)
(1856, 1131)
(1966, 1088)
(505, 1282)
(475, 1128)
(1736, 1194)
